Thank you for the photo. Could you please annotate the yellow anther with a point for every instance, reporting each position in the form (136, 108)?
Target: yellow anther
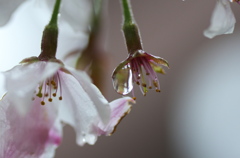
(150, 87)
(60, 98)
(147, 73)
(42, 103)
(134, 98)
(53, 83)
(137, 83)
(54, 94)
(39, 95)
(46, 95)
(144, 85)
(50, 99)
(158, 90)
(155, 84)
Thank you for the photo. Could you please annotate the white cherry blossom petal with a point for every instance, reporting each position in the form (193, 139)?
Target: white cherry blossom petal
(31, 135)
(78, 109)
(119, 109)
(22, 80)
(96, 96)
(222, 21)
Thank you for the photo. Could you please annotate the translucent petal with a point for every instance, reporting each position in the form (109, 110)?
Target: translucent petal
(222, 21)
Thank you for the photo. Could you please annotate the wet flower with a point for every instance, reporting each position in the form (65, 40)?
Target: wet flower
(223, 20)
(40, 94)
(140, 68)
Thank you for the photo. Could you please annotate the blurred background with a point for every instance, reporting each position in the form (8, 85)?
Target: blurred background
(197, 113)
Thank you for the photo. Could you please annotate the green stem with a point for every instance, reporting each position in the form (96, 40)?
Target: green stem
(50, 36)
(127, 12)
(55, 13)
(130, 29)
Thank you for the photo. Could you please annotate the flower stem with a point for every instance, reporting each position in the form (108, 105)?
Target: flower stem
(55, 13)
(127, 12)
(50, 35)
(130, 29)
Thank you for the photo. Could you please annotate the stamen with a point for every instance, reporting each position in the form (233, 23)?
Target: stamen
(42, 103)
(49, 88)
(60, 85)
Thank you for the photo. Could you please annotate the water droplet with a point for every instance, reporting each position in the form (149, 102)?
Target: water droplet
(122, 80)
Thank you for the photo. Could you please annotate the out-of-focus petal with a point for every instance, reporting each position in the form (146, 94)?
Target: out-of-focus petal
(78, 109)
(119, 108)
(222, 21)
(22, 80)
(30, 135)
(7, 7)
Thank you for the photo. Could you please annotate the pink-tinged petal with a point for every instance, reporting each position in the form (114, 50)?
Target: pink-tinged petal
(119, 108)
(31, 135)
(22, 80)
(7, 7)
(100, 102)
(222, 21)
(78, 109)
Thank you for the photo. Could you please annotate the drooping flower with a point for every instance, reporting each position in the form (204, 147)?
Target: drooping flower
(139, 68)
(223, 20)
(43, 88)
(45, 93)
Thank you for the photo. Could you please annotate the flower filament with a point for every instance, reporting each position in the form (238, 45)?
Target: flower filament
(49, 89)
